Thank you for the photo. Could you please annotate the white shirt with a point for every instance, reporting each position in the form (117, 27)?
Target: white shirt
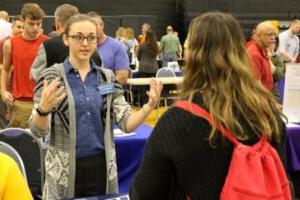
(288, 42)
(5, 29)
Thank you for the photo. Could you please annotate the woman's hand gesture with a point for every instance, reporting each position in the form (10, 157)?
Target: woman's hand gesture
(154, 92)
(52, 95)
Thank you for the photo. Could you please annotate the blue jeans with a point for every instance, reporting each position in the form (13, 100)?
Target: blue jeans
(168, 57)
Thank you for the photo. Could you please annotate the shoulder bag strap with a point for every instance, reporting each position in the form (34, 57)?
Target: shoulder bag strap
(197, 110)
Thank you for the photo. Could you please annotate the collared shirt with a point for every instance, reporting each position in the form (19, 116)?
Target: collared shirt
(88, 107)
(261, 65)
(288, 42)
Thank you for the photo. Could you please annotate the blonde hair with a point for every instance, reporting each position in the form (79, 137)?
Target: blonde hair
(4, 15)
(129, 33)
(218, 67)
(120, 32)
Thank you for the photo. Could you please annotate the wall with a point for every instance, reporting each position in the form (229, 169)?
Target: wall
(248, 12)
(160, 12)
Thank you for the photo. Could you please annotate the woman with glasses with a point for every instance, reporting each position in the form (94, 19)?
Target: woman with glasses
(78, 102)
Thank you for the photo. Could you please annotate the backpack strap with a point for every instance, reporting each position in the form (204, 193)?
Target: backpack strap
(195, 109)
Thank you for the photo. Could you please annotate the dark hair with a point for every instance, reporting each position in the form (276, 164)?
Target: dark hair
(151, 43)
(276, 43)
(53, 27)
(75, 19)
(16, 18)
(251, 32)
(32, 11)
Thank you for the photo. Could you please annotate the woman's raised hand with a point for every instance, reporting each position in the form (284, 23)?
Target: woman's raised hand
(52, 95)
(154, 92)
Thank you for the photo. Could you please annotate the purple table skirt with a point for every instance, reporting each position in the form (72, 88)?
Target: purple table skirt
(129, 152)
(281, 88)
(292, 147)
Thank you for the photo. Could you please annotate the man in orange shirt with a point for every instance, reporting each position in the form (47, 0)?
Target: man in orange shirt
(146, 27)
(20, 52)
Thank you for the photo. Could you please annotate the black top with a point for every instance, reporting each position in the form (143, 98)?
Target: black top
(147, 63)
(56, 51)
(179, 160)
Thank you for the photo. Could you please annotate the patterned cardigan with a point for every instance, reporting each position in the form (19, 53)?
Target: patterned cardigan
(60, 158)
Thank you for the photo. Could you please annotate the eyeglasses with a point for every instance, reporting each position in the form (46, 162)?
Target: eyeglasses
(91, 39)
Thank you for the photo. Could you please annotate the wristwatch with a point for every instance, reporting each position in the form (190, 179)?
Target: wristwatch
(40, 112)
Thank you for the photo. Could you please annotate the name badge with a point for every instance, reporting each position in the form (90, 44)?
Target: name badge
(106, 89)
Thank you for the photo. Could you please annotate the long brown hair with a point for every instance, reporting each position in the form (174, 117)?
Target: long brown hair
(218, 67)
(151, 43)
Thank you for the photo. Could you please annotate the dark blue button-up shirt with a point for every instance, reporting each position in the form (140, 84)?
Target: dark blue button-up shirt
(88, 106)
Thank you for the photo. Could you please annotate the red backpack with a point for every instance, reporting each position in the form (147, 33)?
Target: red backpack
(255, 172)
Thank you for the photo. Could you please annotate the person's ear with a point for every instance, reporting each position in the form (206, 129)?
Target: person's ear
(65, 39)
(257, 36)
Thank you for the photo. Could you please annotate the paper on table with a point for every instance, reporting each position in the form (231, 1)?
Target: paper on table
(124, 197)
(291, 125)
(119, 133)
(291, 97)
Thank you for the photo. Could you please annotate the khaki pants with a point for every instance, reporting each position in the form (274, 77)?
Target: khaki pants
(21, 111)
(3, 112)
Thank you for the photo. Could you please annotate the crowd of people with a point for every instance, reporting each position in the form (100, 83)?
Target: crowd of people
(68, 88)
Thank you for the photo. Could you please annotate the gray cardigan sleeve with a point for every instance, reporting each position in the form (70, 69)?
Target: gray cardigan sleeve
(39, 63)
(121, 108)
(49, 74)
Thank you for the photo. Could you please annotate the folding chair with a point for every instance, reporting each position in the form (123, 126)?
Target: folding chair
(174, 65)
(166, 93)
(127, 89)
(10, 151)
(131, 91)
(165, 72)
(30, 149)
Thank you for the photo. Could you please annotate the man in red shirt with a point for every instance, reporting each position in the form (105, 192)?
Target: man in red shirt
(5, 114)
(263, 38)
(20, 52)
